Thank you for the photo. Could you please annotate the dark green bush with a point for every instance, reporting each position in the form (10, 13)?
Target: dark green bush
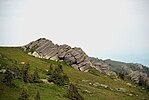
(17, 72)
(50, 71)
(27, 77)
(8, 77)
(73, 93)
(141, 81)
(58, 77)
(36, 77)
(121, 75)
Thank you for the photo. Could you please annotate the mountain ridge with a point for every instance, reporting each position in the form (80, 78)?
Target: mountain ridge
(77, 58)
(92, 85)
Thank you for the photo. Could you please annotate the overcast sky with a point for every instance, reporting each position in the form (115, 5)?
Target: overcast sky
(115, 29)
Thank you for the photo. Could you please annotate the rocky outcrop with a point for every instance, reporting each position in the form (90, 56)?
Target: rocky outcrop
(44, 48)
(137, 74)
(134, 71)
(77, 58)
(99, 65)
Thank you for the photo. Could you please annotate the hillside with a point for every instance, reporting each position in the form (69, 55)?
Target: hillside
(92, 85)
(133, 70)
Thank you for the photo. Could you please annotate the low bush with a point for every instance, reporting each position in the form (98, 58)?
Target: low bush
(73, 93)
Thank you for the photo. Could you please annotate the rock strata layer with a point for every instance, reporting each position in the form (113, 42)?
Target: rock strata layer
(44, 48)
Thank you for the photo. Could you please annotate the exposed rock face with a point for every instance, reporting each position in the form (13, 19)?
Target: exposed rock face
(139, 66)
(136, 74)
(99, 65)
(110, 67)
(44, 48)
(78, 59)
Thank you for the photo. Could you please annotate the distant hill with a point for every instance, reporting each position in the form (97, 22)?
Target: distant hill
(134, 70)
(117, 65)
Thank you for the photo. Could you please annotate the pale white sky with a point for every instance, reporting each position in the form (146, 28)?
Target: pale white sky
(115, 29)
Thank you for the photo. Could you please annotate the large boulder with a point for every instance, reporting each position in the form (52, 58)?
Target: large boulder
(43, 48)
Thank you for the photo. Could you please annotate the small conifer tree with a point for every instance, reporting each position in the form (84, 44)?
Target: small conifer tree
(50, 71)
(36, 76)
(25, 73)
(73, 93)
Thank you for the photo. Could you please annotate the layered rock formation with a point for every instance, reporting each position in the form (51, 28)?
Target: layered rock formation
(99, 65)
(78, 59)
(44, 48)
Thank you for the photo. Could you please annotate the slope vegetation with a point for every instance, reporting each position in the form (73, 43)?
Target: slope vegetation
(91, 85)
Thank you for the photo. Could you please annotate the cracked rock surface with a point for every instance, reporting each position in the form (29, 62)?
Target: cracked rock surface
(44, 48)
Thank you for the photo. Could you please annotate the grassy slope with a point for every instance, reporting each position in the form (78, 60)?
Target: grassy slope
(53, 92)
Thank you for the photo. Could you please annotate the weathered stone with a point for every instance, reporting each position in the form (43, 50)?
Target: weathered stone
(22, 63)
(96, 84)
(121, 89)
(99, 65)
(90, 83)
(54, 58)
(3, 71)
(61, 54)
(136, 74)
(75, 66)
(130, 94)
(44, 48)
(69, 59)
(103, 85)
(44, 80)
(35, 54)
(87, 91)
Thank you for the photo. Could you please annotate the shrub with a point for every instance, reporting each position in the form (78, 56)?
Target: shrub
(121, 75)
(25, 73)
(8, 78)
(141, 81)
(58, 77)
(73, 93)
(17, 72)
(50, 71)
(36, 77)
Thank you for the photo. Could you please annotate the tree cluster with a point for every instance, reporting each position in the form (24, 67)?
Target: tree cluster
(57, 76)
(30, 78)
(16, 73)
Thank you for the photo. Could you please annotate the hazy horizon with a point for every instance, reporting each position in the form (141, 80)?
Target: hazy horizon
(107, 29)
